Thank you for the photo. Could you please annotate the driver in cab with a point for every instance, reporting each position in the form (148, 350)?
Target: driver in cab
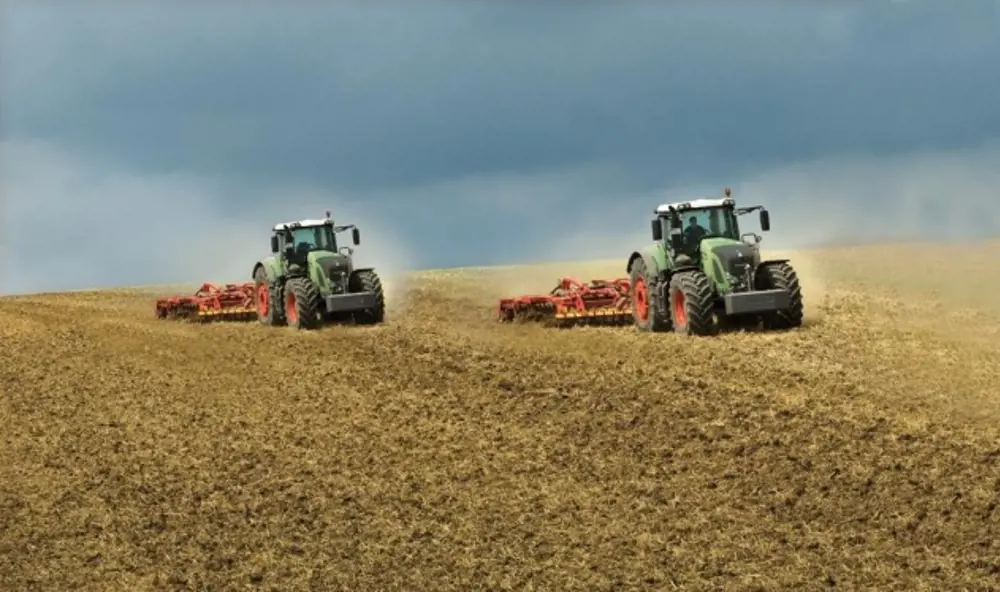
(694, 232)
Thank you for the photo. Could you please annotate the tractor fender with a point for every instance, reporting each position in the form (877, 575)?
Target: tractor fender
(646, 258)
(663, 275)
(761, 265)
(268, 268)
(354, 272)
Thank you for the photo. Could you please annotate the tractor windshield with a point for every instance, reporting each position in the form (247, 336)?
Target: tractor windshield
(709, 223)
(314, 238)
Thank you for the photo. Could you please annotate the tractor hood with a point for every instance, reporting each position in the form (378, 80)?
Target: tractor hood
(332, 264)
(724, 258)
(727, 249)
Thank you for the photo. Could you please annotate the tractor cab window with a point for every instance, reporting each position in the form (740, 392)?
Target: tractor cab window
(708, 223)
(314, 238)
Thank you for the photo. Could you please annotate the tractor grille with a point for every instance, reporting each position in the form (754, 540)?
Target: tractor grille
(338, 281)
(335, 267)
(738, 276)
(737, 267)
(735, 260)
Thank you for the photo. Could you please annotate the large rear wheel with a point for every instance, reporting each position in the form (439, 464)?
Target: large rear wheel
(691, 300)
(366, 280)
(301, 303)
(647, 313)
(265, 297)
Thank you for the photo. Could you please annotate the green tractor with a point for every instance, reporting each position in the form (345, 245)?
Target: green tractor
(308, 281)
(701, 273)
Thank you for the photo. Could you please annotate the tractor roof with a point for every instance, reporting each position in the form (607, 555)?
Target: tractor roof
(694, 204)
(301, 223)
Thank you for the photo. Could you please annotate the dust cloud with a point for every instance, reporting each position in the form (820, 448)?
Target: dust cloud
(100, 226)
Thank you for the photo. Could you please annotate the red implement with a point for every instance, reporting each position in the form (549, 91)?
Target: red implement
(572, 302)
(212, 302)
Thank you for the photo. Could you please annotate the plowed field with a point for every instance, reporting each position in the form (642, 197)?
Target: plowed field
(444, 452)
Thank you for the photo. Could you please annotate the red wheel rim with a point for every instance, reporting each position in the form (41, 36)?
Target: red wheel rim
(641, 299)
(263, 306)
(291, 314)
(680, 310)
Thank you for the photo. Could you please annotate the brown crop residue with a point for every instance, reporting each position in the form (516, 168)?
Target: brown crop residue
(443, 451)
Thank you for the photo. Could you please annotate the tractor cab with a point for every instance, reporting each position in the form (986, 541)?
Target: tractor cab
(297, 239)
(689, 223)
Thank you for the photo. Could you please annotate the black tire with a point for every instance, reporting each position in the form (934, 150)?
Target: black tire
(647, 312)
(272, 315)
(691, 300)
(301, 303)
(781, 276)
(366, 280)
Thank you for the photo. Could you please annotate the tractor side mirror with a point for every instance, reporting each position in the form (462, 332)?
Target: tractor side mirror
(274, 244)
(356, 235)
(657, 228)
(765, 221)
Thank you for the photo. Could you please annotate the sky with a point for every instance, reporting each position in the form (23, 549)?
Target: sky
(156, 142)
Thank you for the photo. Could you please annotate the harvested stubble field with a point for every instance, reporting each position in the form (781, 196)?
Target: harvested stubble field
(444, 452)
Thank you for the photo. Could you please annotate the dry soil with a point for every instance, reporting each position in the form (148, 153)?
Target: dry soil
(442, 451)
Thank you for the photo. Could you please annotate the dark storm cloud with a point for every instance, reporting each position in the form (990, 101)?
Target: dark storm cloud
(495, 121)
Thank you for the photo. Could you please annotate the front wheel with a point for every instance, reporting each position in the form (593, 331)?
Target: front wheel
(691, 299)
(301, 303)
(781, 276)
(367, 280)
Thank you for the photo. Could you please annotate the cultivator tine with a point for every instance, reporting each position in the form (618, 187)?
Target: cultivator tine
(601, 317)
(232, 314)
(571, 304)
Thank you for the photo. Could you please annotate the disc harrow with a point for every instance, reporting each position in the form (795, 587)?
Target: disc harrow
(572, 303)
(212, 302)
